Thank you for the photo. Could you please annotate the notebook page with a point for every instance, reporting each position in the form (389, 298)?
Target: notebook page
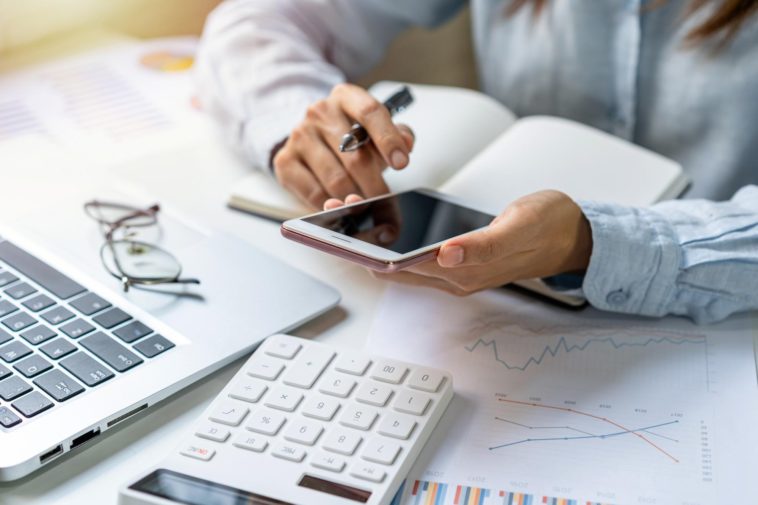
(551, 153)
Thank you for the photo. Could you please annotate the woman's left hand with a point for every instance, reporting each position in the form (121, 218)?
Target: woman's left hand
(539, 235)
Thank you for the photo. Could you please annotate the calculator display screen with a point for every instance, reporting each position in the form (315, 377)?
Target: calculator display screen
(403, 222)
(193, 491)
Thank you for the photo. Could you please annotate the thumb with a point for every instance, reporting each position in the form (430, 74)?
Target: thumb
(475, 248)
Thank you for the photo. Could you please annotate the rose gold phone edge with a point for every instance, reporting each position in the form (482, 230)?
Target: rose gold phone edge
(386, 266)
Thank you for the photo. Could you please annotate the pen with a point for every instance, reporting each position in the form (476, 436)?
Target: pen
(357, 136)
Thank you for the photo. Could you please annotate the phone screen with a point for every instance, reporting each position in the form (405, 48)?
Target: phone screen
(404, 222)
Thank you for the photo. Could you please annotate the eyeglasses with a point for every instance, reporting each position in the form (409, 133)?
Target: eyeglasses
(133, 262)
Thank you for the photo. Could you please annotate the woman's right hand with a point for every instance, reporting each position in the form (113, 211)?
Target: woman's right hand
(310, 164)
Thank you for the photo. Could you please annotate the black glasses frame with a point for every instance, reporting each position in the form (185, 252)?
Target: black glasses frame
(133, 217)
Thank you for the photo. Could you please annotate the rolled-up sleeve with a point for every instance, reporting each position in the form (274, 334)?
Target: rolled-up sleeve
(262, 62)
(688, 257)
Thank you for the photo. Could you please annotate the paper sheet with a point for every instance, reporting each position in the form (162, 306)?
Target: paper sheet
(109, 105)
(582, 407)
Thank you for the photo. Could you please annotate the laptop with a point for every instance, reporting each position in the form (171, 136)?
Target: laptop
(79, 356)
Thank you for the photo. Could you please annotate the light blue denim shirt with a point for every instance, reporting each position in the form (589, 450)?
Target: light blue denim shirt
(618, 65)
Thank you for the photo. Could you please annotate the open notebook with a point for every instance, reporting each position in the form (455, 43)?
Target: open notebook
(470, 146)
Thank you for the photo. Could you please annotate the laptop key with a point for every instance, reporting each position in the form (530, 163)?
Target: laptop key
(110, 351)
(6, 278)
(77, 328)
(4, 336)
(32, 404)
(89, 304)
(56, 349)
(58, 385)
(8, 418)
(153, 346)
(132, 331)
(57, 315)
(4, 372)
(13, 351)
(88, 370)
(12, 388)
(38, 334)
(32, 366)
(39, 271)
(19, 321)
(39, 302)
(6, 308)
(20, 290)
(111, 318)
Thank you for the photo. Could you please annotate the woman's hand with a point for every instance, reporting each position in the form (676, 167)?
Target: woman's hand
(310, 164)
(539, 235)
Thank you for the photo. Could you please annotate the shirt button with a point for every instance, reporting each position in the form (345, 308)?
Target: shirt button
(617, 297)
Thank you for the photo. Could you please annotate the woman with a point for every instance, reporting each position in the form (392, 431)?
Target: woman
(677, 76)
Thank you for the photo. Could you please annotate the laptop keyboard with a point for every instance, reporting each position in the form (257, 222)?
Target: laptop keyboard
(57, 339)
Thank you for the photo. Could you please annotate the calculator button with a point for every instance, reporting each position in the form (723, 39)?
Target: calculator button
(352, 364)
(397, 426)
(303, 432)
(342, 441)
(282, 348)
(320, 407)
(357, 416)
(387, 371)
(263, 368)
(248, 391)
(198, 452)
(426, 380)
(411, 403)
(336, 385)
(265, 421)
(308, 367)
(212, 431)
(380, 450)
(230, 414)
(367, 472)
(374, 393)
(290, 452)
(283, 398)
(250, 442)
(328, 461)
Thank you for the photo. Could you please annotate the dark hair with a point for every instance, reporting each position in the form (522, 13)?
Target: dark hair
(722, 25)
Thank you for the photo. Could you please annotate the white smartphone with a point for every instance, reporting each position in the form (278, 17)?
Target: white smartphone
(388, 233)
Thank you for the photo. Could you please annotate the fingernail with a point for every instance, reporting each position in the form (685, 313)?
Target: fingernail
(385, 237)
(450, 256)
(398, 159)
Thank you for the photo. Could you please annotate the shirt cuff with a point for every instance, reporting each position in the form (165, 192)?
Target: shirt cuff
(635, 260)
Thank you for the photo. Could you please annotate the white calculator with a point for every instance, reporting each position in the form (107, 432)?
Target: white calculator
(303, 423)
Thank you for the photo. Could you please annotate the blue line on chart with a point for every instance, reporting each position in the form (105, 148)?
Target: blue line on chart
(581, 437)
(563, 343)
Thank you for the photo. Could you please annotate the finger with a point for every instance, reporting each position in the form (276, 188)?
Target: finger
(333, 203)
(408, 136)
(375, 118)
(295, 177)
(329, 171)
(481, 247)
(353, 198)
(365, 166)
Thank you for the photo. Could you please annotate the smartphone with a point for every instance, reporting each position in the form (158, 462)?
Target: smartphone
(388, 233)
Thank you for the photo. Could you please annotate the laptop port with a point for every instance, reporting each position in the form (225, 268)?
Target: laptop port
(127, 415)
(55, 451)
(84, 437)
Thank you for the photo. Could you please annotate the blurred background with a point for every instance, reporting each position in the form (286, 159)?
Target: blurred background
(440, 56)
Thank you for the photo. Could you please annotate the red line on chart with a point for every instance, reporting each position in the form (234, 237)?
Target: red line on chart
(574, 411)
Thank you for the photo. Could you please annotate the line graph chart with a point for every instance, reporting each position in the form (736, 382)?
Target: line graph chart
(585, 435)
(563, 345)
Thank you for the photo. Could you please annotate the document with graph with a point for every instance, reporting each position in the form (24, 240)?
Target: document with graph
(564, 408)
